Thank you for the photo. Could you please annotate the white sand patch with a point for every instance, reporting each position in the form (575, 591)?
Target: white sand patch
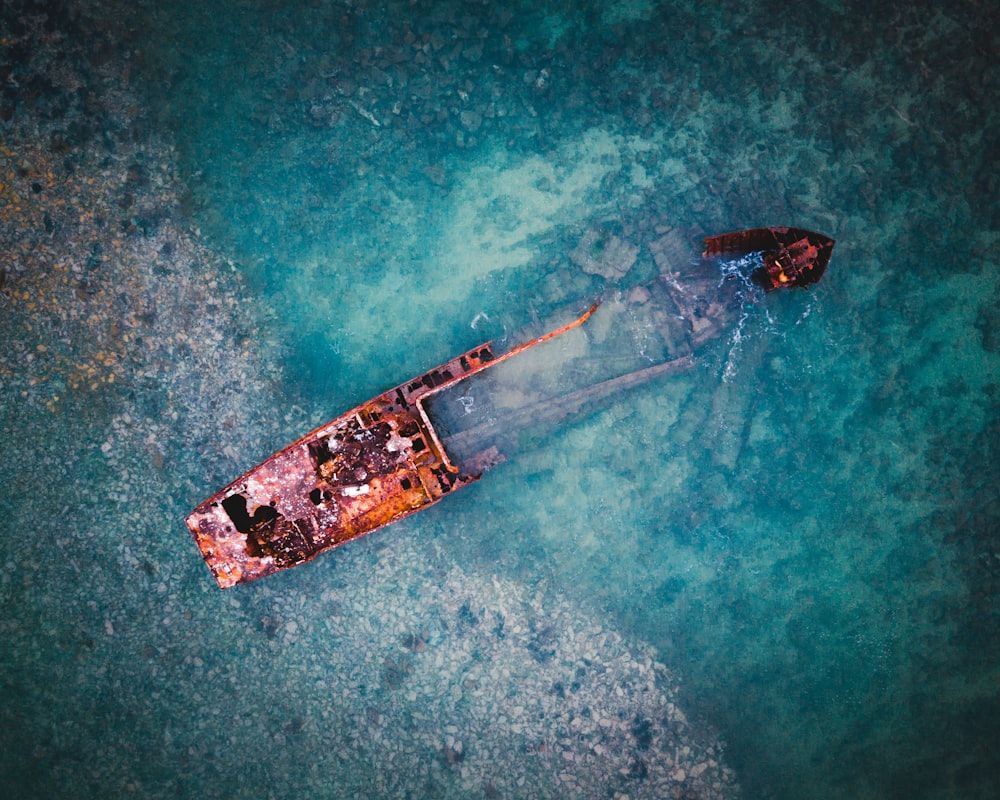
(486, 224)
(640, 178)
(500, 206)
(494, 220)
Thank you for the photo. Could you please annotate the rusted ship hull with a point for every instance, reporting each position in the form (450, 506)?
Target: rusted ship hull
(385, 459)
(791, 256)
(371, 466)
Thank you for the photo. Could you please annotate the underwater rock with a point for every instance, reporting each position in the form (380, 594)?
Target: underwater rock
(602, 253)
(436, 174)
(471, 120)
(639, 296)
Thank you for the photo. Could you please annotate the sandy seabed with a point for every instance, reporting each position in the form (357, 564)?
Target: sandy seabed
(217, 227)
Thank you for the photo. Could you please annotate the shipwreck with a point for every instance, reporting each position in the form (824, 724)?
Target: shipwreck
(408, 448)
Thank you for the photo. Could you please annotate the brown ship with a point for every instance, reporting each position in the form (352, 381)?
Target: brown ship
(416, 443)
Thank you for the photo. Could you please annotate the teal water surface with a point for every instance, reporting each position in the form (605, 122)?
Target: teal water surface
(804, 529)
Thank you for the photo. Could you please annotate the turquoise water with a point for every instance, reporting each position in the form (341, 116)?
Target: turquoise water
(316, 201)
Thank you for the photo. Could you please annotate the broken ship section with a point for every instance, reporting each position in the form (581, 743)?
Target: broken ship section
(371, 466)
(376, 464)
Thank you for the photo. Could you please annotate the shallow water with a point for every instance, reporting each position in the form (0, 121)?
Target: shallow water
(329, 198)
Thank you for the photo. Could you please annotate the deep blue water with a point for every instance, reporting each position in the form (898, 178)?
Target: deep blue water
(804, 529)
